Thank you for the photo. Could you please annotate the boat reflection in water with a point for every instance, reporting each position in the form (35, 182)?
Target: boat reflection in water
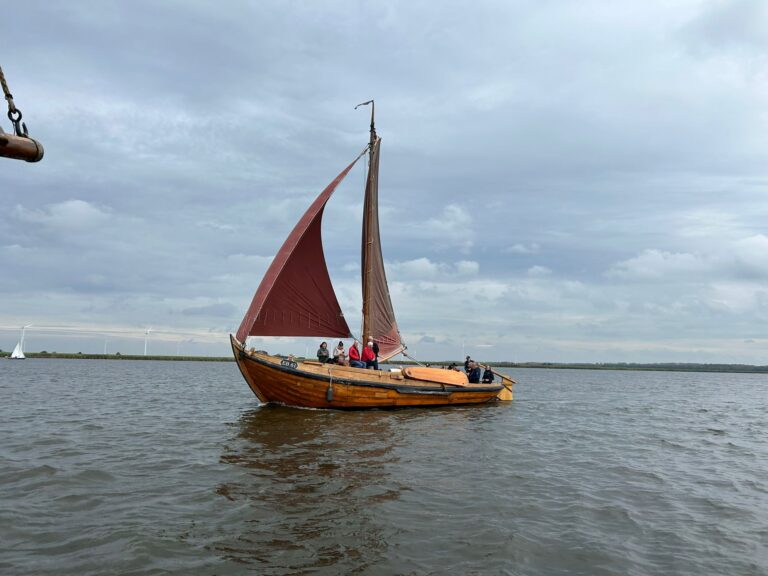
(326, 488)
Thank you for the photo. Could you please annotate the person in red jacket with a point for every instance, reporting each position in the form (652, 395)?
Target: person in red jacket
(369, 357)
(354, 356)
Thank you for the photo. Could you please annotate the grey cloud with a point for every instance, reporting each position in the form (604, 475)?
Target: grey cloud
(541, 143)
(738, 24)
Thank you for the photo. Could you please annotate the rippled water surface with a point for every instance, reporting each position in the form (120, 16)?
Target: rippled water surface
(136, 467)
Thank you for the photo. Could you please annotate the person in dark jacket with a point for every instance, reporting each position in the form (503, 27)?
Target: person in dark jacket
(322, 353)
(487, 375)
(474, 372)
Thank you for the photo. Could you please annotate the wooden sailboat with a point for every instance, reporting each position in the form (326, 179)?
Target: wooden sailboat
(296, 298)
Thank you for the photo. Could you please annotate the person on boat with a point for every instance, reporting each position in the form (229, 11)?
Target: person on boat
(369, 357)
(323, 354)
(375, 350)
(339, 356)
(487, 375)
(474, 372)
(466, 364)
(354, 356)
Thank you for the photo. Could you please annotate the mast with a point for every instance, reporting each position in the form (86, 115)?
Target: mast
(378, 316)
(371, 187)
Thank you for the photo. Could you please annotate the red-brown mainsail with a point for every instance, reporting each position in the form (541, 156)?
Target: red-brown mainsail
(378, 315)
(296, 298)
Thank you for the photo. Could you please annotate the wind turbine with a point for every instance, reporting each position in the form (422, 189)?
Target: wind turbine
(146, 338)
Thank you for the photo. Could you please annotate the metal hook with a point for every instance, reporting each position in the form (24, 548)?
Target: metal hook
(19, 127)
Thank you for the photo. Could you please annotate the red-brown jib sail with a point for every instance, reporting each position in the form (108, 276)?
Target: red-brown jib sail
(295, 297)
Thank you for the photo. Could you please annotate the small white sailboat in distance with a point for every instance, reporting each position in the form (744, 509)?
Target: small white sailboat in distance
(17, 353)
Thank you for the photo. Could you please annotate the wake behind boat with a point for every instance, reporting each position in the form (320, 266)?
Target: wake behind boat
(296, 298)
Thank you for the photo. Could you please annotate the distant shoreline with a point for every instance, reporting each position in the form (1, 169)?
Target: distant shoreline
(656, 367)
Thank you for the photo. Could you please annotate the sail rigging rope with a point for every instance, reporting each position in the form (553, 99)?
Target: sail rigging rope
(404, 353)
(14, 114)
(7, 91)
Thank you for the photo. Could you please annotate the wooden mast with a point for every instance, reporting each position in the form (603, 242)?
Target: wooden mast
(368, 216)
(378, 315)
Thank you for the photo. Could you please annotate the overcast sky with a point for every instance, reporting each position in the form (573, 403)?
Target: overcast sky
(560, 180)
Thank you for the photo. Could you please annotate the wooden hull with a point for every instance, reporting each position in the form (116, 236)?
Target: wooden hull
(314, 385)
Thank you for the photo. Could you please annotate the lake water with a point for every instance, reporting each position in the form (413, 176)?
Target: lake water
(134, 468)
